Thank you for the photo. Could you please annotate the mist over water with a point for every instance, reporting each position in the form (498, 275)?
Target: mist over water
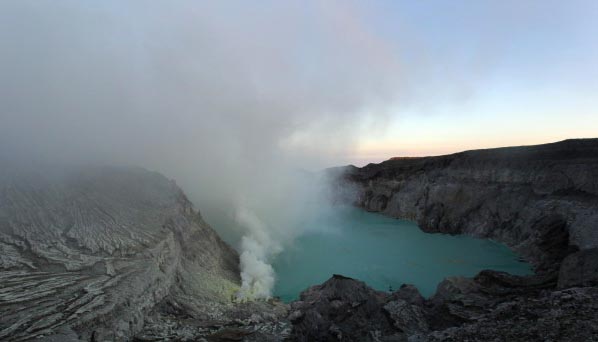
(264, 229)
(382, 251)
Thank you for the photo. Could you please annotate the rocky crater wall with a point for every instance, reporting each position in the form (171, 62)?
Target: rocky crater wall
(540, 200)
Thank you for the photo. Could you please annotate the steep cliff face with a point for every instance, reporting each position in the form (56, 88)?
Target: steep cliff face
(87, 254)
(540, 200)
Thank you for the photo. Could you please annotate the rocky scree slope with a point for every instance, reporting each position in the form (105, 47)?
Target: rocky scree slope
(90, 254)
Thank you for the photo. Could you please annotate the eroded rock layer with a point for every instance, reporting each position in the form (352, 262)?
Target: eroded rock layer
(87, 254)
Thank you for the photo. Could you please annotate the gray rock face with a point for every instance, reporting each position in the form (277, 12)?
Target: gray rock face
(87, 254)
(540, 200)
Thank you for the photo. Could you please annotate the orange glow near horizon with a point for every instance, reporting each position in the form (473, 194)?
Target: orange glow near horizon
(378, 151)
(483, 123)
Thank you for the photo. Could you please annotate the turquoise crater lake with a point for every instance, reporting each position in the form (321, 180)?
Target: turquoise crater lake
(382, 251)
(385, 253)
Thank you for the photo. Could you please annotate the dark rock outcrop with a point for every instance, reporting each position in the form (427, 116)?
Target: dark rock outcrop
(482, 309)
(493, 306)
(341, 309)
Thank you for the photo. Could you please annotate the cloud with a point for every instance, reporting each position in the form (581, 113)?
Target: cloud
(129, 81)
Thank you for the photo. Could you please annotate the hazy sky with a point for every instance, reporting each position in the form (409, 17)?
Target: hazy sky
(502, 73)
(319, 83)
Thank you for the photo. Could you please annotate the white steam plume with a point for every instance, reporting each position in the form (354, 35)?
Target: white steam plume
(257, 249)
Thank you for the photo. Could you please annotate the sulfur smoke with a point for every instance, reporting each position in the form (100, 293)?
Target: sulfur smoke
(257, 248)
(231, 101)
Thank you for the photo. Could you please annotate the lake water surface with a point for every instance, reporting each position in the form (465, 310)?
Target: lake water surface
(382, 251)
(385, 253)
